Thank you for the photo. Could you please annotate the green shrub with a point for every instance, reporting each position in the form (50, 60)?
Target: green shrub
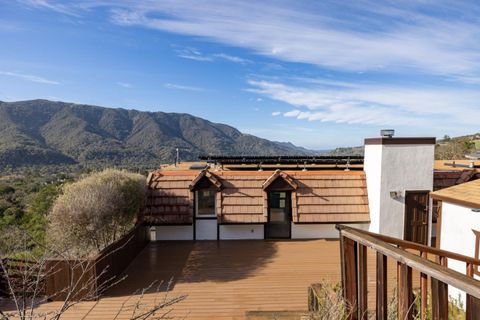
(96, 210)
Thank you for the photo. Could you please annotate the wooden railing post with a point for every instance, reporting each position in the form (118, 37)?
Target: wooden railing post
(382, 303)
(348, 254)
(404, 292)
(354, 244)
(362, 281)
(423, 290)
(440, 295)
(472, 303)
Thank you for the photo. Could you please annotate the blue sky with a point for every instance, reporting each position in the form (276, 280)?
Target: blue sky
(320, 74)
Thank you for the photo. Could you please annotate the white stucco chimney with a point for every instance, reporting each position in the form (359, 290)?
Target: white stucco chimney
(392, 167)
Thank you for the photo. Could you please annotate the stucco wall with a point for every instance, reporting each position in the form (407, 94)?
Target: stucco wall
(457, 236)
(395, 168)
(238, 232)
(319, 231)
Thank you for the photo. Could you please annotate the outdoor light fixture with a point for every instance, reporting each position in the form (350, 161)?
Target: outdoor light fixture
(387, 133)
(395, 194)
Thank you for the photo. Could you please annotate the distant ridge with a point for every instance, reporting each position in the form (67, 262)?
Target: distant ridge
(43, 132)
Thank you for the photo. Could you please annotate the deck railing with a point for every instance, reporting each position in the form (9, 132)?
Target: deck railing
(353, 250)
(88, 278)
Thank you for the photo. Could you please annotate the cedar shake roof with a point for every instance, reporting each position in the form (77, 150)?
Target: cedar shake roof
(445, 179)
(282, 175)
(465, 194)
(317, 197)
(205, 174)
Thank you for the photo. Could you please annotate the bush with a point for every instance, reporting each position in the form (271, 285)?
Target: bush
(96, 210)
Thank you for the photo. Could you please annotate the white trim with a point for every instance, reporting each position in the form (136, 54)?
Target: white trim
(171, 233)
(241, 232)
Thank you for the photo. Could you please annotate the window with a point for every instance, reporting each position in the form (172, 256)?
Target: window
(205, 202)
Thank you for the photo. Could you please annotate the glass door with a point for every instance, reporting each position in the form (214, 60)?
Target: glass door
(279, 215)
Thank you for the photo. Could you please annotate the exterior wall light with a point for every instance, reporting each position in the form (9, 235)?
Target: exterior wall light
(395, 194)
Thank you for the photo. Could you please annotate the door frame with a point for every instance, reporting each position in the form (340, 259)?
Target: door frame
(288, 199)
(428, 205)
(195, 217)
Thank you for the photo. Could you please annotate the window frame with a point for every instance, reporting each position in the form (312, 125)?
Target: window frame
(214, 214)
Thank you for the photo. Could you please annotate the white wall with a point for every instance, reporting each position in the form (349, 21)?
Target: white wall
(319, 231)
(395, 168)
(457, 236)
(373, 171)
(237, 232)
(172, 233)
(206, 229)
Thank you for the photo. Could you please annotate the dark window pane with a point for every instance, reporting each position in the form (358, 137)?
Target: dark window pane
(206, 202)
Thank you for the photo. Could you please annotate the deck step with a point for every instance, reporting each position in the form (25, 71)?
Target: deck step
(278, 315)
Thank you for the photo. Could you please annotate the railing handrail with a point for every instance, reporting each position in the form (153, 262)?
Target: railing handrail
(416, 246)
(434, 270)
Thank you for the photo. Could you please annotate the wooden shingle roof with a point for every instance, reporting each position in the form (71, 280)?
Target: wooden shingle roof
(465, 194)
(317, 196)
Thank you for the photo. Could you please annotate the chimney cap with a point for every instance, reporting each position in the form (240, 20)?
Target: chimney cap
(387, 133)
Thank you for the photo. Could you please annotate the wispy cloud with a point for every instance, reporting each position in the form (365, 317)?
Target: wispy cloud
(195, 54)
(183, 87)
(232, 58)
(67, 8)
(192, 54)
(28, 77)
(364, 36)
(124, 84)
(353, 36)
(276, 113)
(374, 104)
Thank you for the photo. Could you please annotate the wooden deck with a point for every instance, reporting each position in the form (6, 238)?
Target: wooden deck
(223, 280)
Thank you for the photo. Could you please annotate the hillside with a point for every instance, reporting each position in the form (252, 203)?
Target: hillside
(458, 147)
(42, 132)
(446, 148)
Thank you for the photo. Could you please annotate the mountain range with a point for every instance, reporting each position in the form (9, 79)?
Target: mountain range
(43, 132)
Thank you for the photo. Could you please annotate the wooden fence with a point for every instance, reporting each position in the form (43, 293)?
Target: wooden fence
(25, 277)
(353, 250)
(88, 278)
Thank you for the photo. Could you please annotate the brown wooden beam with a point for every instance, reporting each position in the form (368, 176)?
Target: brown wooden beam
(473, 308)
(348, 254)
(362, 282)
(439, 300)
(472, 303)
(423, 291)
(382, 303)
(440, 272)
(404, 292)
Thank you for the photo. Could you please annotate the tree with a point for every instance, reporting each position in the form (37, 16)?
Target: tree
(96, 210)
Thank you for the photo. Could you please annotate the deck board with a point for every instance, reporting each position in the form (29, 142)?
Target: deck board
(225, 279)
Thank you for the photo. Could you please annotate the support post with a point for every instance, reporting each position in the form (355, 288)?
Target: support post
(382, 303)
(362, 282)
(348, 254)
(404, 292)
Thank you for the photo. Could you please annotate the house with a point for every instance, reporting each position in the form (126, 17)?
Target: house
(297, 197)
(448, 173)
(458, 226)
